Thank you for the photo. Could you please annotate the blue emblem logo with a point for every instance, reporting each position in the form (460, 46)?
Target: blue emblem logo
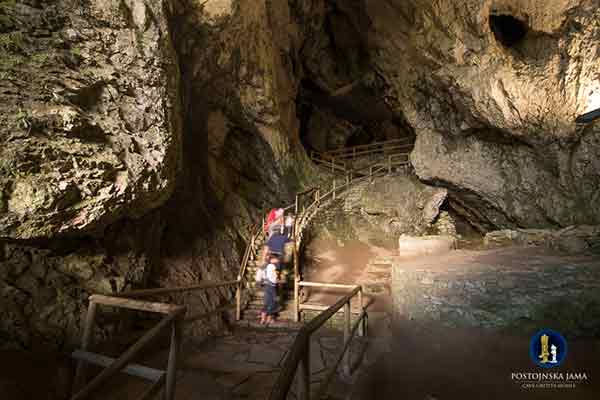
(548, 348)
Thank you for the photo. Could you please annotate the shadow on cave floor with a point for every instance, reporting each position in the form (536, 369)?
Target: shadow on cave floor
(433, 362)
(29, 375)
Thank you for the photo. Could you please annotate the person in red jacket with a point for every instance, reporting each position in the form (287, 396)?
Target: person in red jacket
(274, 217)
(269, 220)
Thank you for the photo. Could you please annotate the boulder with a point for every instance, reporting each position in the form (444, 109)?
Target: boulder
(411, 246)
(398, 204)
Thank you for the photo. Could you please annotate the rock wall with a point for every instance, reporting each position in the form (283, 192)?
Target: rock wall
(90, 132)
(382, 210)
(140, 138)
(495, 117)
(343, 96)
(90, 115)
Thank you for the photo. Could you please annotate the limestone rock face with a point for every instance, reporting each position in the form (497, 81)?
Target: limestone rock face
(400, 204)
(90, 126)
(139, 140)
(492, 89)
(381, 211)
(327, 132)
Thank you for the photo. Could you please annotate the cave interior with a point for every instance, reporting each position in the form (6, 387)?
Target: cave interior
(143, 145)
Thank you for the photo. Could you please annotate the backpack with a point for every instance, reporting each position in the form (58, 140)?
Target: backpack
(272, 216)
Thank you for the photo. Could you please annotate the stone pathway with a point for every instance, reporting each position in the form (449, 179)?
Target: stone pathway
(246, 364)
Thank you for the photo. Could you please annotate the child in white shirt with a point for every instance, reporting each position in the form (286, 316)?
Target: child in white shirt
(267, 277)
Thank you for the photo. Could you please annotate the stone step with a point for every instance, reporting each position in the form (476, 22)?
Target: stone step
(283, 324)
(258, 293)
(254, 312)
(282, 301)
(260, 299)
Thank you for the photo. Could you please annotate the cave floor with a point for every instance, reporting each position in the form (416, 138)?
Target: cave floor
(246, 363)
(433, 361)
(353, 262)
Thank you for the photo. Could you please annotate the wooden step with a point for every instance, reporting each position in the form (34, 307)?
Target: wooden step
(140, 371)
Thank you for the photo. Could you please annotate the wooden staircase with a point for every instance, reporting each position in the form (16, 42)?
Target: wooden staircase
(247, 300)
(250, 314)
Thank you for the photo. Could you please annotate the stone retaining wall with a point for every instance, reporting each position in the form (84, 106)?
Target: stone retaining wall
(495, 292)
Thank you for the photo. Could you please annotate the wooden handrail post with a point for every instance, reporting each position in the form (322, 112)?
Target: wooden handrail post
(333, 192)
(238, 300)
(297, 233)
(173, 357)
(332, 169)
(348, 179)
(128, 355)
(296, 281)
(296, 299)
(390, 165)
(361, 327)
(303, 390)
(347, 359)
(296, 207)
(85, 345)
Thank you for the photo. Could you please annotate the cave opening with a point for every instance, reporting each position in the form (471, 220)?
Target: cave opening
(332, 122)
(507, 29)
(360, 137)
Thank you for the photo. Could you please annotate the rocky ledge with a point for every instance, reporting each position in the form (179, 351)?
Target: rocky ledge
(511, 289)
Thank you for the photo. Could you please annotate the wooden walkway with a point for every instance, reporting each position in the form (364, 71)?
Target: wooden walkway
(239, 295)
(395, 152)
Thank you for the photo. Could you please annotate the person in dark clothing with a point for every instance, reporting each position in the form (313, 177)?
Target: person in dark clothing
(276, 244)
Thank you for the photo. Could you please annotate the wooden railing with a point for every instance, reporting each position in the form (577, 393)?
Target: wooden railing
(342, 159)
(175, 318)
(298, 358)
(376, 147)
(309, 206)
(306, 205)
(337, 160)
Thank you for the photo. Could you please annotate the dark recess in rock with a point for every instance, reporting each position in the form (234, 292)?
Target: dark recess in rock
(507, 29)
